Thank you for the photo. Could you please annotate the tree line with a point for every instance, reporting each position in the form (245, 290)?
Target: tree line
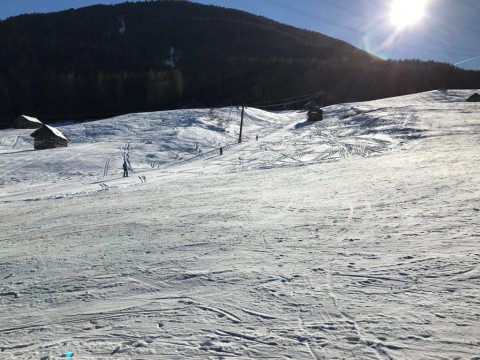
(111, 59)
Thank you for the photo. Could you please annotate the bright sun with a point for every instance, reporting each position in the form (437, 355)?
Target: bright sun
(404, 13)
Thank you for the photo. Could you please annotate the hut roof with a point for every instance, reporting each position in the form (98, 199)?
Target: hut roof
(51, 129)
(474, 98)
(32, 119)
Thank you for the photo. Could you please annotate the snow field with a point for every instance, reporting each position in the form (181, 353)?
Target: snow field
(356, 237)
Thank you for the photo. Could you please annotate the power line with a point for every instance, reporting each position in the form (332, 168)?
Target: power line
(314, 17)
(281, 101)
(363, 33)
(359, 14)
(467, 28)
(474, 7)
(344, 8)
(306, 99)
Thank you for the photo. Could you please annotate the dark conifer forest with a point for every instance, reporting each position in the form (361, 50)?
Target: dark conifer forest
(105, 60)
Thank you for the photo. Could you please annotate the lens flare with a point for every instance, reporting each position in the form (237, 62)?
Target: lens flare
(404, 13)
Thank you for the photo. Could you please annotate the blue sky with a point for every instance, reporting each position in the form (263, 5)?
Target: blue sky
(449, 32)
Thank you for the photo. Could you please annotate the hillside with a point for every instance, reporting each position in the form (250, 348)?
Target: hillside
(354, 237)
(99, 61)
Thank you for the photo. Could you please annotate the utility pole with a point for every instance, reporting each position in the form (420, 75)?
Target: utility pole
(241, 126)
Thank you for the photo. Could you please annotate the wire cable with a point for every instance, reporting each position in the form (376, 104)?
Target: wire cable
(284, 103)
(471, 52)
(344, 8)
(315, 94)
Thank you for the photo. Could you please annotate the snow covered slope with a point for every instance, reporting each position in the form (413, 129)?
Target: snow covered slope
(354, 237)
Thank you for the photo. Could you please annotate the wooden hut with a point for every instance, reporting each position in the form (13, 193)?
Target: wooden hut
(27, 122)
(474, 98)
(315, 114)
(48, 137)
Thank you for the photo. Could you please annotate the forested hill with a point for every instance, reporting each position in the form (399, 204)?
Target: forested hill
(103, 60)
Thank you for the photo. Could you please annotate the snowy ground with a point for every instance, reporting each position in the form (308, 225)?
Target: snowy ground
(357, 237)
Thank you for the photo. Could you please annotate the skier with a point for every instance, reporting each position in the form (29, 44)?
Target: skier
(221, 151)
(125, 169)
(256, 138)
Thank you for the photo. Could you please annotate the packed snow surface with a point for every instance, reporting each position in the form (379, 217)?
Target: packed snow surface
(357, 237)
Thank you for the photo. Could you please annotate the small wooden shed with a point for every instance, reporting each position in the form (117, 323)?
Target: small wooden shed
(474, 98)
(27, 122)
(48, 137)
(315, 114)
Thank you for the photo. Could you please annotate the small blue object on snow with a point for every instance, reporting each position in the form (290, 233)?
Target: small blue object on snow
(68, 354)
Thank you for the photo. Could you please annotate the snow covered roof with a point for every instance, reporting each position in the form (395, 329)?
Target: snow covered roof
(53, 130)
(32, 119)
(56, 132)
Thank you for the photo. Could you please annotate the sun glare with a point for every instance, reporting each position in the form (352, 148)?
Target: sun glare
(404, 13)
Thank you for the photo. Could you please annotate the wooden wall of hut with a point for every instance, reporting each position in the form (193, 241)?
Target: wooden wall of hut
(48, 142)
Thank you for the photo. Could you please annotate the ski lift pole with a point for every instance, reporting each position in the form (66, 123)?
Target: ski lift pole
(241, 126)
(321, 101)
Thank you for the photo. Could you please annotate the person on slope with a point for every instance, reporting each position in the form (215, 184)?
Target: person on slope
(125, 169)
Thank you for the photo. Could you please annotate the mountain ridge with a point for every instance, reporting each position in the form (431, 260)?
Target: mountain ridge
(111, 59)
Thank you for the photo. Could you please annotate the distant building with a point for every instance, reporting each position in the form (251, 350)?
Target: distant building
(27, 122)
(315, 114)
(474, 98)
(48, 137)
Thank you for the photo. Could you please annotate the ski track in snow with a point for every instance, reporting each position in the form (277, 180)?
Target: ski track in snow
(352, 238)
